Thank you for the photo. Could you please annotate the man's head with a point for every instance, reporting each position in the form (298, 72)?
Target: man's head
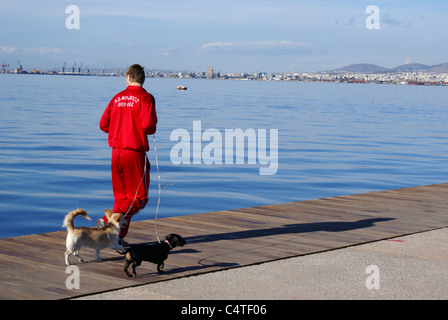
(135, 75)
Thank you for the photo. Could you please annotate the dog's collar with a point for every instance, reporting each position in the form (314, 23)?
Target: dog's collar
(168, 244)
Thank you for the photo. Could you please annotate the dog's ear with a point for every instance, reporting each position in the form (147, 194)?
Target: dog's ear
(172, 239)
(108, 213)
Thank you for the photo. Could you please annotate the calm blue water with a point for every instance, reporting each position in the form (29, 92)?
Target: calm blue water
(334, 139)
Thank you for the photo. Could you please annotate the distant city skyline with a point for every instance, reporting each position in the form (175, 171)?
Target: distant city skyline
(231, 36)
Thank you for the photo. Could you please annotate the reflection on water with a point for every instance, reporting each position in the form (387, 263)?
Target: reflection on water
(334, 139)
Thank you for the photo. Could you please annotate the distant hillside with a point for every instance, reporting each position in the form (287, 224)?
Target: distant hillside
(371, 68)
(410, 67)
(443, 67)
(362, 68)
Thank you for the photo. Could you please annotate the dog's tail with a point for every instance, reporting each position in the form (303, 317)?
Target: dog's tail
(68, 220)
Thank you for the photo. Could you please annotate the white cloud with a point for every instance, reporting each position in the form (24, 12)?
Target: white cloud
(7, 49)
(265, 46)
(45, 50)
(219, 45)
(393, 22)
(32, 51)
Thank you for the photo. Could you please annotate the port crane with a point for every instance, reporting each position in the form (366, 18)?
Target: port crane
(5, 66)
(19, 67)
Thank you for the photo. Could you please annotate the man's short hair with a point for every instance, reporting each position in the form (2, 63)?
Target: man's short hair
(137, 73)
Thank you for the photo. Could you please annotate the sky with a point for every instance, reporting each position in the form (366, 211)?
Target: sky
(231, 36)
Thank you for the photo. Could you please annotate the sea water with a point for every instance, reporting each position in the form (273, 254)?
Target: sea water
(333, 139)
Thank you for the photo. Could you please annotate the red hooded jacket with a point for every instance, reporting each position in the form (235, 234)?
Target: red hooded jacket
(129, 118)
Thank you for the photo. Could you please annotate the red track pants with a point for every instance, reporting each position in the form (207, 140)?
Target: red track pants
(130, 184)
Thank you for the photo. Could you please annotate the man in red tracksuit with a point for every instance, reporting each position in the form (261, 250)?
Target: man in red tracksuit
(128, 119)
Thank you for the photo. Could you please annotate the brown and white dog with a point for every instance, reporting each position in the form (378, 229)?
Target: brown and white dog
(96, 238)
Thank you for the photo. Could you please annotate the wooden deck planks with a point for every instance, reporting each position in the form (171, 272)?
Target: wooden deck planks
(32, 267)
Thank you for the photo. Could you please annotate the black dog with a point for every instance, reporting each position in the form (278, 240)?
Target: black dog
(156, 253)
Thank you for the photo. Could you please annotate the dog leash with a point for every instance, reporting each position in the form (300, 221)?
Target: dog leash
(158, 179)
(159, 187)
(136, 191)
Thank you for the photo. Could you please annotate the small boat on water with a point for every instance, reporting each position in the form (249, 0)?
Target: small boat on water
(181, 88)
